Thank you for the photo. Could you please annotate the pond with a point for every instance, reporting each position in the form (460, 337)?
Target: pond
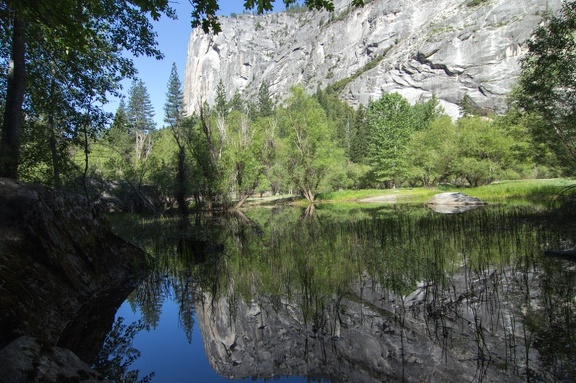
(362, 293)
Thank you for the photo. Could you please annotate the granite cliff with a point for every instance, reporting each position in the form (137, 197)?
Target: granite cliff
(452, 48)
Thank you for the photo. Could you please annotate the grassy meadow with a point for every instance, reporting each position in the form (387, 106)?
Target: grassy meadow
(534, 190)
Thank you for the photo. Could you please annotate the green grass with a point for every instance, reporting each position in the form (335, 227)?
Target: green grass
(531, 190)
(503, 191)
(407, 195)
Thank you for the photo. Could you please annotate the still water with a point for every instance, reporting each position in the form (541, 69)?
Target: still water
(350, 294)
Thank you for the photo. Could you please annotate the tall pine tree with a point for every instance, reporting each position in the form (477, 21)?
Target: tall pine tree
(140, 114)
(265, 103)
(173, 115)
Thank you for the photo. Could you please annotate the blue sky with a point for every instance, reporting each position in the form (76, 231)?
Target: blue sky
(173, 42)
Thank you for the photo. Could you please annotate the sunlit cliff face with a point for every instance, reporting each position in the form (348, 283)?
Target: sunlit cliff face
(449, 48)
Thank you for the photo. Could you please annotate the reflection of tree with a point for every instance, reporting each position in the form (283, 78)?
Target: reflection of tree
(148, 297)
(117, 354)
(553, 324)
(178, 250)
(184, 295)
(452, 283)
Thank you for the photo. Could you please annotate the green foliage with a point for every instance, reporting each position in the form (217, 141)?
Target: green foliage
(236, 103)
(139, 110)
(246, 154)
(162, 165)
(220, 103)
(265, 103)
(310, 153)
(71, 57)
(547, 83)
(37, 163)
(140, 113)
(359, 136)
(173, 115)
(390, 125)
(174, 106)
(338, 86)
(205, 142)
(432, 151)
(119, 142)
(474, 151)
(537, 191)
(340, 114)
(482, 151)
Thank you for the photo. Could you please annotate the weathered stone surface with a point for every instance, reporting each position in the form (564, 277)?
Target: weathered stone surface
(421, 48)
(61, 268)
(26, 360)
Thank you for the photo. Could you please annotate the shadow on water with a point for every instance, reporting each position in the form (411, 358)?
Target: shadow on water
(371, 294)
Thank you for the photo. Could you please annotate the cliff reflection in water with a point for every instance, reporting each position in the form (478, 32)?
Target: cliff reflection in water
(370, 295)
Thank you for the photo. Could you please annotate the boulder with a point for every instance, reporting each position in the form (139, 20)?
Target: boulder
(453, 202)
(28, 360)
(63, 273)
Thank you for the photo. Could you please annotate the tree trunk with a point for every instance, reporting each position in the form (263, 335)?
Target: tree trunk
(10, 143)
(241, 201)
(54, 152)
(53, 140)
(309, 194)
(181, 187)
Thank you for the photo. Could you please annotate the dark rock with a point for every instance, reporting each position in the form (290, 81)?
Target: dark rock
(567, 254)
(57, 258)
(28, 360)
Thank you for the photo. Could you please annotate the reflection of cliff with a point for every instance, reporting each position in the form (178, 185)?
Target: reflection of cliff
(370, 335)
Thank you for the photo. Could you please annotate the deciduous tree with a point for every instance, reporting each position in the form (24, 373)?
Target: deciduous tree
(87, 27)
(76, 34)
(547, 85)
(311, 152)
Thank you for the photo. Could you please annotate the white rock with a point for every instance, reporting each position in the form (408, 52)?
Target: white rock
(441, 47)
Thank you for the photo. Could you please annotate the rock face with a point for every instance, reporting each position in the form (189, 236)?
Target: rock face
(449, 48)
(27, 360)
(60, 267)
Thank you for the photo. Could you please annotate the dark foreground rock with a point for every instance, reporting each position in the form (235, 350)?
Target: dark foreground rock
(61, 268)
(28, 360)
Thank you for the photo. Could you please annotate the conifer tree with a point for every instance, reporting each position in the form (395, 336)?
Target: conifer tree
(220, 101)
(173, 115)
(140, 114)
(265, 103)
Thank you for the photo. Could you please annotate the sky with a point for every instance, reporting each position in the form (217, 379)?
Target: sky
(173, 42)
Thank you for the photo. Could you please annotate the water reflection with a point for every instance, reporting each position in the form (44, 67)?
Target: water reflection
(394, 293)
